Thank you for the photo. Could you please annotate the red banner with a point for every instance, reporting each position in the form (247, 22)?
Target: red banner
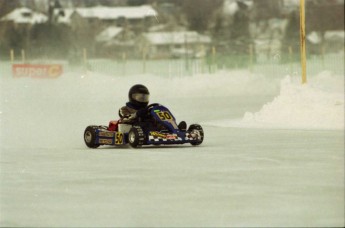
(37, 70)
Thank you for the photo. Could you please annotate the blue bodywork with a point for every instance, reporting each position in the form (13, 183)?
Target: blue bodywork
(171, 135)
(159, 127)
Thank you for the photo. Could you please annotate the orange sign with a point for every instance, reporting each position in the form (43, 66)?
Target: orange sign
(37, 70)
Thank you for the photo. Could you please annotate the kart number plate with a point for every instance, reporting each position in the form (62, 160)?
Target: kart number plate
(119, 138)
(164, 116)
(167, 117)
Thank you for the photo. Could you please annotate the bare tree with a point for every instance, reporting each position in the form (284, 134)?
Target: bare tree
(8, 6)
(199, 13)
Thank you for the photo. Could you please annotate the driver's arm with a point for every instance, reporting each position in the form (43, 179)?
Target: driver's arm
(127, 114)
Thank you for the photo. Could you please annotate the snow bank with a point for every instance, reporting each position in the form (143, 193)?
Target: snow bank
(316, 105)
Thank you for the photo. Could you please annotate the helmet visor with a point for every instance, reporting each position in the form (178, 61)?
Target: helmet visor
(141, 97)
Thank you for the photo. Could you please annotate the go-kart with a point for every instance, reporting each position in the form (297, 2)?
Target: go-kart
(157, 127)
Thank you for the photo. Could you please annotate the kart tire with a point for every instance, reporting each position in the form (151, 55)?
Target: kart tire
(198, 128)
(90, 137)
(136, 137)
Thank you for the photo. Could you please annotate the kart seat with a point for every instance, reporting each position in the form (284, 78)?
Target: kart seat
(113, 125)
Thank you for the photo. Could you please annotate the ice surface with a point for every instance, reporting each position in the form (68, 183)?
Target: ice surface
(239, 176)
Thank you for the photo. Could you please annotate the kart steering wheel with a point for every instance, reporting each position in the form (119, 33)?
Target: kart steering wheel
(151, 106)
(145, 112)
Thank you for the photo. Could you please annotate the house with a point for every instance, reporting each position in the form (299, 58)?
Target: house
(331, 41)
(102, 24)
(133, 16)
(24, 16)
(115, 41)
(108, 34)
(174, 44)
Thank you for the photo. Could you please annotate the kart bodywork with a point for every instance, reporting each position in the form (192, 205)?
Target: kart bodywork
(158, 127)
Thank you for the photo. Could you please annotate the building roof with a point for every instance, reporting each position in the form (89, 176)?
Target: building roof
(109, 13)
(25, 16)
(108, 34)
(230, 7)
(164, 38)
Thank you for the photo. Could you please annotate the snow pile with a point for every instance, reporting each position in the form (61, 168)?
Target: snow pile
(303, 106)
(316, 105)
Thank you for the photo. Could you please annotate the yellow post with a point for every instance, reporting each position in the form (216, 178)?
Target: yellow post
(84, 56)
(202, 58)
(302, 41)
(323, 54)
(251, 56)
(214, 58)
(12, 55)
(23, 55)
(144, 60)
(290, 59)
(124, 60)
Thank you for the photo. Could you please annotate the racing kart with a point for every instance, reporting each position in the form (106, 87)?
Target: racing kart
(157, 127)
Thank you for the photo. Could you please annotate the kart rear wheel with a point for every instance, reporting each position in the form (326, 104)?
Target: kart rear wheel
(90, 137)
(136, 137)
(197, 127)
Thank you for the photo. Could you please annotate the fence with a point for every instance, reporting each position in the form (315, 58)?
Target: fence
(272, 65)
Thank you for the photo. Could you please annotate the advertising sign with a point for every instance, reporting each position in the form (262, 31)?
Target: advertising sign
(36, 70)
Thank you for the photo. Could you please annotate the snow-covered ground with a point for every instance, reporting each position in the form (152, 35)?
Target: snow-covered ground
(273, 153)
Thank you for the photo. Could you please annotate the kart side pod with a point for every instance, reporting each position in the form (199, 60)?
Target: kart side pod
(94, 136)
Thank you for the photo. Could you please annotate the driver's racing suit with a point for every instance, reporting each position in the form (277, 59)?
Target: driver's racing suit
(130, 112)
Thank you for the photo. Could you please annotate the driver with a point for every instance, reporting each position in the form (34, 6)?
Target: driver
(138, 96)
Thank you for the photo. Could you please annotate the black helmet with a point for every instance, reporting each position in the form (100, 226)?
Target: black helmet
(139, 95)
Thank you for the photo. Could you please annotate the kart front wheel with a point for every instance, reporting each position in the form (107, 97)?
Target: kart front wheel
(197, 128)
(136, 137)
(90, 137)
